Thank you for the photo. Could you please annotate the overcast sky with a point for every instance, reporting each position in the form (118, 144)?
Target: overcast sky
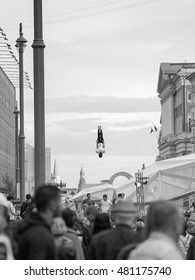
(102, 61)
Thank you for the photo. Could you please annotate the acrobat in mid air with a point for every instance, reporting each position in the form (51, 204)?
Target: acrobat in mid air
(100, 145)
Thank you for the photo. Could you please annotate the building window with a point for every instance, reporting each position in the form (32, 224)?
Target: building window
(189, 93)
(189, 125)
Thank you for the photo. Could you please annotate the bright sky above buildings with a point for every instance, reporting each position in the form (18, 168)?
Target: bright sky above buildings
(102, 61)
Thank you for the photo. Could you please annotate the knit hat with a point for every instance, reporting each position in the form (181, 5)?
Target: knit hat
(3, 200)
(124, 206)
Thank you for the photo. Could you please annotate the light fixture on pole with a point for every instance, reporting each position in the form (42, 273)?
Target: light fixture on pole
(139, 183)
(21, 44)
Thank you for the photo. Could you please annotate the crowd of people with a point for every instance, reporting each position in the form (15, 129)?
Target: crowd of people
(103, 230)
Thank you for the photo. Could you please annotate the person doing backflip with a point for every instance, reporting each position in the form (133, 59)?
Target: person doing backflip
(100, 145)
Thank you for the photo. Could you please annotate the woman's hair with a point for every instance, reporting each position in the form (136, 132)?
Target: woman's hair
(102, 222)
(68, 216)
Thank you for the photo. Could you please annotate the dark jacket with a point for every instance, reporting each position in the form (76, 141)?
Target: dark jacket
(107, 244)
(191, 250)
(34, 239)
(87, 235)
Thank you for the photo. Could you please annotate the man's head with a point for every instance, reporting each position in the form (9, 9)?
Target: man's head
(84, 207)
(105, 197)
(165, 217)
(28, 196)
(10, 198)
(123, 212)
(47, 198)
(91, 213)
(100, 155)
(58, 227)
(3, 212)
(89, 196)
(190, 227)
(120, 196)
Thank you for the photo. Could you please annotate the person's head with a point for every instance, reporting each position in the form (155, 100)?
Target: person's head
(89, 196)
(58, 226)
(84, 207)
(47, 199)
(139, 226)
(28, 196)
(3, 212)
(120, 196)
(68, 216)
(91, 213)
(102, 222)
(165, 217)
(193, 204)
(100, 155)
(187, 214)
(123, 212)
(10, 198)
(140, 219)
(191, 227)
(105, 197)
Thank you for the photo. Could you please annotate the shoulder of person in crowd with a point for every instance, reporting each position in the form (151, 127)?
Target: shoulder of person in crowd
(66, 250)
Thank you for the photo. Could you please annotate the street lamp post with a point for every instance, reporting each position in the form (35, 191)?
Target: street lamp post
(21, 44)
(139, 183)
(39, 95)
(16, 113)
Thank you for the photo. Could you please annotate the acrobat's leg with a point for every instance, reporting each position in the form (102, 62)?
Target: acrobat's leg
(100, 138)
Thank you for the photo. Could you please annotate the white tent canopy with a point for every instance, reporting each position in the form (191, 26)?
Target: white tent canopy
(166, 178)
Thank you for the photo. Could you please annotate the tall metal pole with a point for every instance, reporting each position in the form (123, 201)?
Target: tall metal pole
(20, 44)
(39, 98)
(16, 112)
(140, 181)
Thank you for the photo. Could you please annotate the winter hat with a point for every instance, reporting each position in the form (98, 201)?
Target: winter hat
(3, 200)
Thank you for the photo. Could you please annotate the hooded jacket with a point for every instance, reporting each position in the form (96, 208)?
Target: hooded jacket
(34, 238)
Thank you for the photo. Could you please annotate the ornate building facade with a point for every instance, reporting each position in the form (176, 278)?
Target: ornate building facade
(176, 88)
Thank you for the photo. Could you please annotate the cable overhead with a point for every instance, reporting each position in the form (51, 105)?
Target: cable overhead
(47, 20)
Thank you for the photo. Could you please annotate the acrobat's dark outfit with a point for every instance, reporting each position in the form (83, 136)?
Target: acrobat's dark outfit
(100, 138)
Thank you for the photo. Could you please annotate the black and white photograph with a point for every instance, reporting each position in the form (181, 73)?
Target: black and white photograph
(97, 138)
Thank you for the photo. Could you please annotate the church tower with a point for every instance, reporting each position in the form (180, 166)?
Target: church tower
(55, 177)
(82, 182)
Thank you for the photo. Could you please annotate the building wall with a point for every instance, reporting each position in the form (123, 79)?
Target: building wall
(7, 128)
(30, 170)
